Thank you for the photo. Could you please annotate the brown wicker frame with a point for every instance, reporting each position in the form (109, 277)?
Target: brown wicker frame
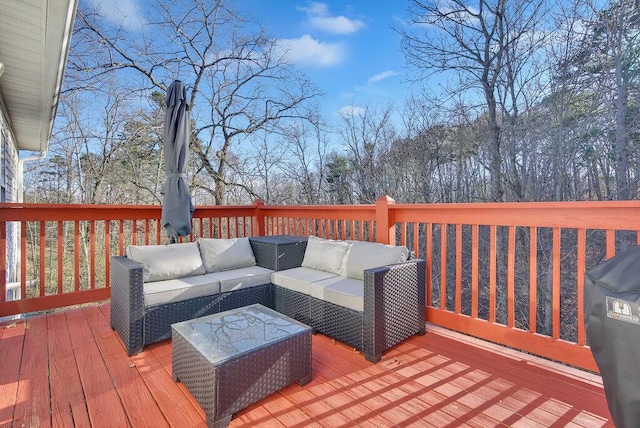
(138, 325)
(394, 308)
(224, 388)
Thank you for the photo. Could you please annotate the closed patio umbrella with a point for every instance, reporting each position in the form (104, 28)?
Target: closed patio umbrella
(177, 207)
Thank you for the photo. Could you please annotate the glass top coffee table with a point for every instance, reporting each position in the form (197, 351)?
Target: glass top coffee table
(232, 359)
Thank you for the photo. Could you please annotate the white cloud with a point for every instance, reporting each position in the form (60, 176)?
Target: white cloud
(349, 111)
(381, 76)
(120, 12)
(320, 18)
(308, 51)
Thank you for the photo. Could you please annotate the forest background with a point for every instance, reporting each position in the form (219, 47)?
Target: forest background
(541, 104)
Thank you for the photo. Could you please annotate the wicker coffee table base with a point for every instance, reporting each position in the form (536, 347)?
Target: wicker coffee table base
(224, 389)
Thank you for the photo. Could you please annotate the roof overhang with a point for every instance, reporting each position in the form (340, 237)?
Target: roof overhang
(34, 42)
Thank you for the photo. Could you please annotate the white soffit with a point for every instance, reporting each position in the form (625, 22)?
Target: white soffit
(34, 41)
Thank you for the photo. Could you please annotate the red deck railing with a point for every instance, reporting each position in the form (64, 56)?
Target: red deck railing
(512, 273)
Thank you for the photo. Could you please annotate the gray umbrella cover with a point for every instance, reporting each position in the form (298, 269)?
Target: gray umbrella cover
(177, 207)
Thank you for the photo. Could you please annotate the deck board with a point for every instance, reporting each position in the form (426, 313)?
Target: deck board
(32, 401)
(138, 402)
(67, 397)
(12, 340)
(70, 369)
(102, 399)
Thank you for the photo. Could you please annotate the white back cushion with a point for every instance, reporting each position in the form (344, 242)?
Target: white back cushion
(325, 254)
(225, 254)
(366, 255)
(162, 262)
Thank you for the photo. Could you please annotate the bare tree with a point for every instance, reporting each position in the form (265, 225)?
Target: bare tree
(239, 77)
(367, 134)
(610, 57)
(488, 47)
(305, 147)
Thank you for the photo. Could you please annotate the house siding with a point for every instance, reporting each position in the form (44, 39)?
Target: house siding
(9, 190)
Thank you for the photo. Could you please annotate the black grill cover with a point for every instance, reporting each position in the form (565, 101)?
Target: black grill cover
(612, 322)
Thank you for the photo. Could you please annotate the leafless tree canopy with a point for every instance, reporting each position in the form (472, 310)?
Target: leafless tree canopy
(510, 101)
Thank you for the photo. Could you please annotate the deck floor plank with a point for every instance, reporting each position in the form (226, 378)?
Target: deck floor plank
(175, 406)
(33, 399)
(12, 342)
(427, 381)
(103, 402)
(163, 355)
(67, 398)
(142, 409)
(547, 382)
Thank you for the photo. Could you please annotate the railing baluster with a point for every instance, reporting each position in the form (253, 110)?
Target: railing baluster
(76, 255)
(492, 273)
(134, 232)
(474, 270)
(121, 237)
(580, 267)
(42, 261)
(443, 266)
(533, 279)
(458, 268)
(107, 252)
(555, 284)
(92, 249)
(60, 257)
(23, 259)
(416, 240)
(511, 265)
(429, 262)
(611, 243)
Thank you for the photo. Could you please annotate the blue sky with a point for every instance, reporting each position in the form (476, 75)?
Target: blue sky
(349, 50)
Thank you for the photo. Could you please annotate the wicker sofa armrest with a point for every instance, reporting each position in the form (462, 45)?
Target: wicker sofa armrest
(127, 302)
(394, 306)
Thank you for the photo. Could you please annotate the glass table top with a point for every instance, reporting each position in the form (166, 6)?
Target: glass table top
(225, 335)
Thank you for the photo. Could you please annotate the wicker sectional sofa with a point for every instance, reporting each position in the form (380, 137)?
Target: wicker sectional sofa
(364, 294)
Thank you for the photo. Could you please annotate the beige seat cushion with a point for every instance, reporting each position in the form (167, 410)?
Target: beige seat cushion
(177, 290)
(236, 279)
(299, 279)
(325, 254)
(341, 291)
(225, 254)
(162, 262)
(366, 255)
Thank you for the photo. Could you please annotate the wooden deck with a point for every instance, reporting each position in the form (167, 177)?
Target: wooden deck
(69, 369)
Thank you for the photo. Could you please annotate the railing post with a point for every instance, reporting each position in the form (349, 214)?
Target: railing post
(258, 217)
(385, 223)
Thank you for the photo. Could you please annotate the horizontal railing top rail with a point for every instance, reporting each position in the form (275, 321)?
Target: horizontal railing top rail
(73, 212)
(588, 214)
